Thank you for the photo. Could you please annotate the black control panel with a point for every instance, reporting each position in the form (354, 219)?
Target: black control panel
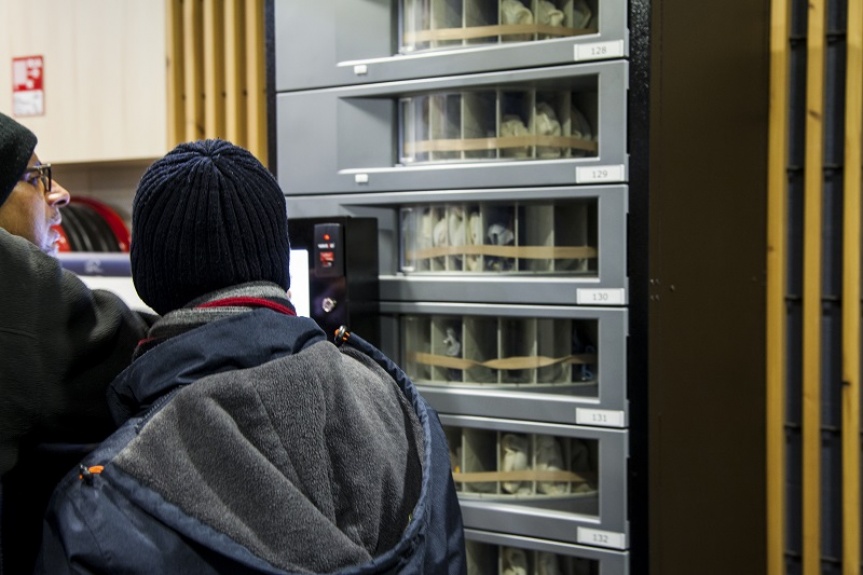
(343, 272)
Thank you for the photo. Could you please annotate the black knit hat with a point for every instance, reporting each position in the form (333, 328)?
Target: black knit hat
(206, 216)
(16, 146)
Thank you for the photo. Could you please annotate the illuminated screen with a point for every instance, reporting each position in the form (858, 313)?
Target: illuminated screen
(299, 270)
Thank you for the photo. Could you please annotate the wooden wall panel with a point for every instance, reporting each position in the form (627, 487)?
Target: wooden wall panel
(812, 288)
(256, 80)
(193, 58)
(814, 502)
(777, 228)
(235, 77)
(851, 291)
(176, 71)
(214, 67)
(225, 88)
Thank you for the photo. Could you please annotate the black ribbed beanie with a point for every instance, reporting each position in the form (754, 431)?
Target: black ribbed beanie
(206, 216)
(16, 146)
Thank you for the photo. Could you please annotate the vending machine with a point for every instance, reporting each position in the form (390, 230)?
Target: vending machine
(489, 140)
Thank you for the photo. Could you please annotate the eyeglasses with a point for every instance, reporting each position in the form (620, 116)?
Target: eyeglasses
(42, 172)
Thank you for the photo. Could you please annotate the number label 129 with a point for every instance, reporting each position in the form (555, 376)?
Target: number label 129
(600, 174)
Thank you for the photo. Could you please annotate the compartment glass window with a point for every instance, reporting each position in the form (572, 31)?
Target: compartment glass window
(542, 355)
(500, 124)
(452, 24)
(487, 559)
(501, 238)
(528, 470)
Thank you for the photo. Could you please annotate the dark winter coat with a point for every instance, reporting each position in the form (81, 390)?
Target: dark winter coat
(61, 344)
(257, 446)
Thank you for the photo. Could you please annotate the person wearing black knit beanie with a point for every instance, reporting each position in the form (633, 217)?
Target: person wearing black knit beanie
(251, 442)
(207, 216)
(61, 344)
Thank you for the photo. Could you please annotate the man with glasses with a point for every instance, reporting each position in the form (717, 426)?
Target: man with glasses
(61, 344)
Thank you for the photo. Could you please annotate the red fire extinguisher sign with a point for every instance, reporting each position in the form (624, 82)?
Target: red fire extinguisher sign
(28, 93)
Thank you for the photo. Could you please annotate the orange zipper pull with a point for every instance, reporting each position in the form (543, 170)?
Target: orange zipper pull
(87, 473)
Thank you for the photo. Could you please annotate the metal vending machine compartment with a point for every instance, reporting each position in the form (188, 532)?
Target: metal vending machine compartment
(363, 42)
(494, 553)
(556, 482)
(342, 285)
(527, 127)
(555, 246)
(553, 364)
